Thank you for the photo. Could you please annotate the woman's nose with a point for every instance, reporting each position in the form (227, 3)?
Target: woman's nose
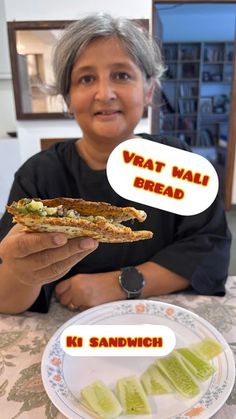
(105, 90)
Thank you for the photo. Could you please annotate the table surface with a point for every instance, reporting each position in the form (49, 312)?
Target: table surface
(23, 339)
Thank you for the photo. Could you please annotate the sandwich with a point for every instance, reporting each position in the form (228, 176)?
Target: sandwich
(79, 218)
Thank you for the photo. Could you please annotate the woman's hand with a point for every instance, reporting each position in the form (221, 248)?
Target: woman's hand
(41, 258)
(83, 291)
(88, 290)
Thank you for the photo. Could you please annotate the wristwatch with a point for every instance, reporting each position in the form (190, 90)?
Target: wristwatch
(131, 281)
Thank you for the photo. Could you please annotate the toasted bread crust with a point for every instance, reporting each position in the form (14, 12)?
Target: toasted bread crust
(103, 231)
(100, 229)
(86, 208)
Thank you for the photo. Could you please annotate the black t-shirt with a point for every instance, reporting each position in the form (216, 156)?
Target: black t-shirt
(195, 247)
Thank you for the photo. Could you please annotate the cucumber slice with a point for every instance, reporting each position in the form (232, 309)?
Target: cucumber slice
(132, 396)
(154, 382)
(197, 364)
(175, 370)
(208, 347)
(100, 399)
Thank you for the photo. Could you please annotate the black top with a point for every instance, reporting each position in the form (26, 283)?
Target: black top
(196, 247)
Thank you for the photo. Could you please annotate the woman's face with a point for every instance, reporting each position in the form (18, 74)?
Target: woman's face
(107, 94)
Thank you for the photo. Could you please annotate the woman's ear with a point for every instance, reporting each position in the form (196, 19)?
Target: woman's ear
(67, 109)
(149, 92)
(67, 103)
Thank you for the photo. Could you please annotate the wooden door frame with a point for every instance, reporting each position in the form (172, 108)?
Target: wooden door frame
(231, 148)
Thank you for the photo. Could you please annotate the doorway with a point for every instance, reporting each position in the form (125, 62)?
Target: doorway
(198, 92)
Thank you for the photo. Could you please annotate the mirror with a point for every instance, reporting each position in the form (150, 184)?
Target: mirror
(31, 45)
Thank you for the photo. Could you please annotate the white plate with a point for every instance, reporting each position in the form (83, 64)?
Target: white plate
(64, 375)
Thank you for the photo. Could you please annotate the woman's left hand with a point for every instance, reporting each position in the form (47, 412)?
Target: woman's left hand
(83, 291)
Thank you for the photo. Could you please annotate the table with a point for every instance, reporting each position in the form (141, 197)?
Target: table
(23, 339)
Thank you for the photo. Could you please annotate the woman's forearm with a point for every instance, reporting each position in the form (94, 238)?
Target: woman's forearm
(159, 280)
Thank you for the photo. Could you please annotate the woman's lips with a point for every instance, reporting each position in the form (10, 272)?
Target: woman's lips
(107, 115)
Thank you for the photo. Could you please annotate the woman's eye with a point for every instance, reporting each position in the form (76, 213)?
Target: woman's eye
(86, 79)
(121, 76)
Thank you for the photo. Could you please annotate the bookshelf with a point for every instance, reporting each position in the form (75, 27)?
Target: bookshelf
(196, 94)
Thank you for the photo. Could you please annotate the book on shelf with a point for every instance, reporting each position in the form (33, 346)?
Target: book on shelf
(188, 89)
(187, 106)
(205, 138)
(170, 53)
(213, 53)
(189, 53)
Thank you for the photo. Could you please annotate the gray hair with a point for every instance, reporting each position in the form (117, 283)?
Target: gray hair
(142, 49)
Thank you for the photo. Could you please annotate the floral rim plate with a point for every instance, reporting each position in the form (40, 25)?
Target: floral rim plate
(64, 375)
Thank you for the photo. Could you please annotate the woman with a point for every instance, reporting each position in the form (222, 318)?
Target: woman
(106, 70)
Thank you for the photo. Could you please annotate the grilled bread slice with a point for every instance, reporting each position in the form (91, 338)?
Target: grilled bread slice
(79, 218)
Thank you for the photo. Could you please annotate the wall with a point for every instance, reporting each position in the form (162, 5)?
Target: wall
(71, 9)
(198, 27)
(5, 61)
(7, 106)
(7, 114)
(10, 161)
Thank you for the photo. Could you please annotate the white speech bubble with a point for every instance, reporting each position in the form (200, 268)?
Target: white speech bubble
(161, 176)
(118, 340)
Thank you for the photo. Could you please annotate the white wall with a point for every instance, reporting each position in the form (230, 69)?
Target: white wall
(10, 161)
(7, 114)
(5, 60)
(7, 107)
(71, 9)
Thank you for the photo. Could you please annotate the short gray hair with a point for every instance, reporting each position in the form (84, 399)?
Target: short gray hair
(141, 47)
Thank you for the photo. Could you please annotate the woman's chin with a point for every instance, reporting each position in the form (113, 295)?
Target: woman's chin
(112, 136)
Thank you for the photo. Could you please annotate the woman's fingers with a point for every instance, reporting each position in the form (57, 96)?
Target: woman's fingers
(52, 272)
(65, 298)
(62, 287)
(22, 244)
(81, 247)
(40, 258)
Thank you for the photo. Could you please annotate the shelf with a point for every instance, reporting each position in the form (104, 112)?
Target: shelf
(188, 97)
(185, 97)
(215, 118)
(184, 131)
(187, 79)
(213, 62)
(217, 82)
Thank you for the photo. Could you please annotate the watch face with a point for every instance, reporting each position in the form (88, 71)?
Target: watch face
(131, 280)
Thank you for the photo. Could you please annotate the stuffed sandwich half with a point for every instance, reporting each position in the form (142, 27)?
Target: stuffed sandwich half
(79, 218)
